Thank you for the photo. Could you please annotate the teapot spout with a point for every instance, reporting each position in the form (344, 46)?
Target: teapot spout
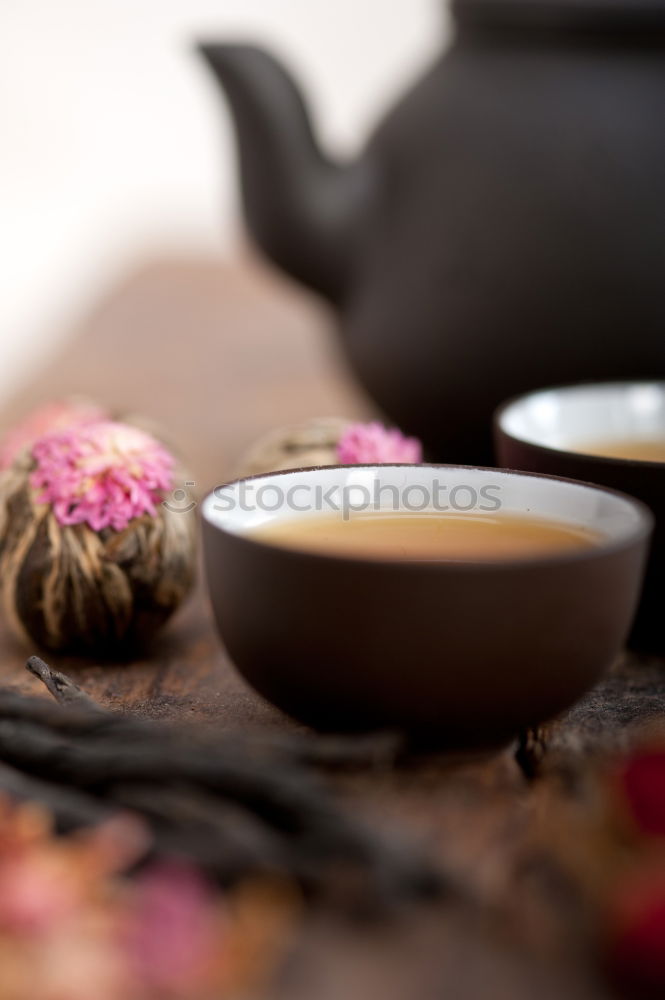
(302, 209)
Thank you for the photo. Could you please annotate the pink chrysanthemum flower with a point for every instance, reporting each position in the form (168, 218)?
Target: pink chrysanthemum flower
(54, 416)
(367, 444)
(103, 474)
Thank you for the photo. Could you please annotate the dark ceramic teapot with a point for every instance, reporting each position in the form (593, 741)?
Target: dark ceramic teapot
(505, 228)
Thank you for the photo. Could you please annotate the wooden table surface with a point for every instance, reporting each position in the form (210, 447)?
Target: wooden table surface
(218, 353)
(215, 354)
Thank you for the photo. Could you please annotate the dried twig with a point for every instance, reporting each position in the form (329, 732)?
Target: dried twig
(61, 687)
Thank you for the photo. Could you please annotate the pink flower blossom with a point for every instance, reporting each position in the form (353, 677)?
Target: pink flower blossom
(103, 474)
(368, 444)
(54, 416)
(174, 936)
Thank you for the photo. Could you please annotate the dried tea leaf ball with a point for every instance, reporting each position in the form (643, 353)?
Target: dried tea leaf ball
(90, 558)
(329, 441)
(311, 442)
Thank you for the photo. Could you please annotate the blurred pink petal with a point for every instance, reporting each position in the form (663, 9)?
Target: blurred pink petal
(368, 444)
(35, 892)
(174, 933)
(115, 844)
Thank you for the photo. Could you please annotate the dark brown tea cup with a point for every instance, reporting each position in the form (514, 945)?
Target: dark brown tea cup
(556, 431)
(460, 653)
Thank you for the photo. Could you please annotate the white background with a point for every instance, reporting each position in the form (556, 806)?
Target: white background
(115, 145)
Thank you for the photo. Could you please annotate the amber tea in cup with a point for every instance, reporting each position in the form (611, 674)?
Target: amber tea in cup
(633, 449)
(427, 537)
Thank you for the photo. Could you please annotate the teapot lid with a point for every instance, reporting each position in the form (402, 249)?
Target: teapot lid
(621, 15)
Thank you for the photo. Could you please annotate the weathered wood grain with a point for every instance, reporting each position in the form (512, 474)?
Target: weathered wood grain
(218, 354)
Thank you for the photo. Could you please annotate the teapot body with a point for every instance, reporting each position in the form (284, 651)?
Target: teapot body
(505, 228)
(515, 234)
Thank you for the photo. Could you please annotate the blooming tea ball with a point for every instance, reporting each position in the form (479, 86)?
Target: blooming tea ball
(374, 444)
(90, 558)
(329, 441)
(311, 442)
